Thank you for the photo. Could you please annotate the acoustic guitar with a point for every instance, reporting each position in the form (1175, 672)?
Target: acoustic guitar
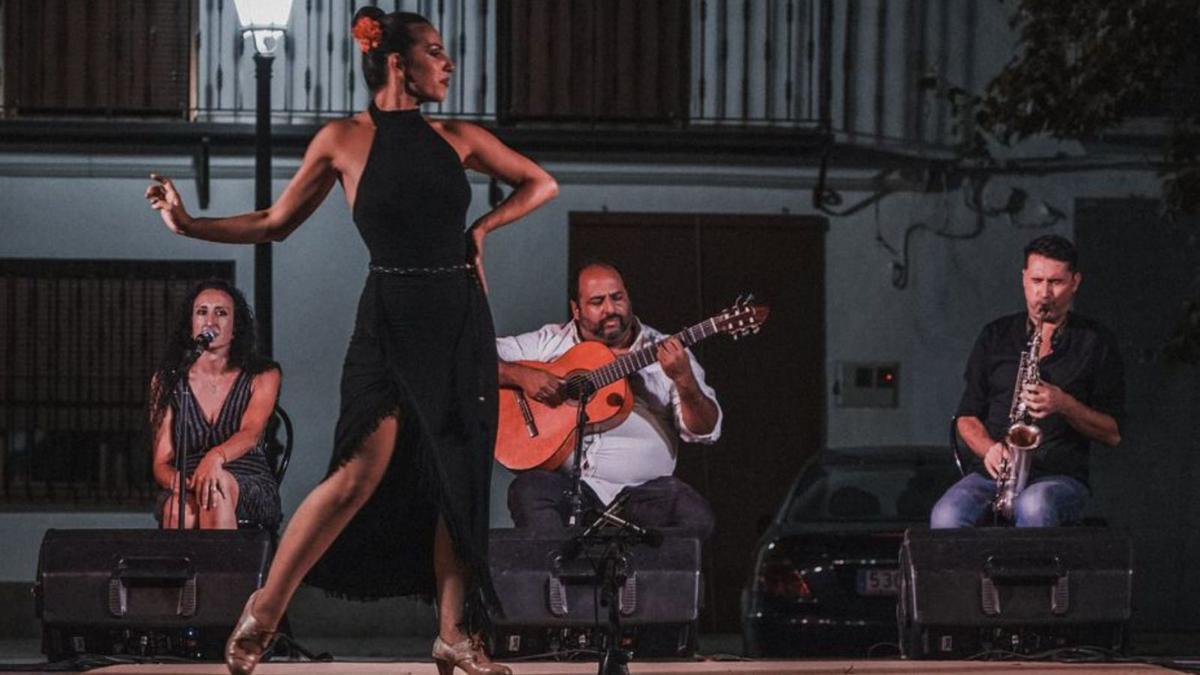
(533, 435)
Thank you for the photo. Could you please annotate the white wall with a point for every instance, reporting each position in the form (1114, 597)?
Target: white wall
(954, 286)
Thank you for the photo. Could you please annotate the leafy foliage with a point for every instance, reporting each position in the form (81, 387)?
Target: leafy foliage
(1084, 66)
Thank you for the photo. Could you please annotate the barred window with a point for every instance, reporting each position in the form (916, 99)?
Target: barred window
(79, 340)
(113, 57)
(594, 62)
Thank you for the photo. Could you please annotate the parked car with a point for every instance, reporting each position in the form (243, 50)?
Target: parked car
(826, 571)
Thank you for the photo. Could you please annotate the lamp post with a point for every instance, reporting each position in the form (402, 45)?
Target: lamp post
(266, 22)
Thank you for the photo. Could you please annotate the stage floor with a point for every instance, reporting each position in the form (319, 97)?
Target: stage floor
(831, 667)
(400, 655)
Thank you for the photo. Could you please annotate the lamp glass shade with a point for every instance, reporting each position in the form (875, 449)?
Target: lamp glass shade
(266, 20)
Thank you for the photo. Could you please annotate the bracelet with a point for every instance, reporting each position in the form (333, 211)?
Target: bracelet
(224, 459)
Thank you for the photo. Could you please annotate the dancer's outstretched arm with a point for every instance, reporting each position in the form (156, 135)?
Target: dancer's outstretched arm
(307, 189)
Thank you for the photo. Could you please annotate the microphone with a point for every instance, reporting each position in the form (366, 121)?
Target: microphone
(200, 343)
(649, 535)
(205, 338)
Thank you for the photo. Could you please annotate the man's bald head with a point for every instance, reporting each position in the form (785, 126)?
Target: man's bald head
(600, 305)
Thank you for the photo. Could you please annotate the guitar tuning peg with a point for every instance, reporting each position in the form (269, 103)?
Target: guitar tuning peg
(749, 298)
(756, 329)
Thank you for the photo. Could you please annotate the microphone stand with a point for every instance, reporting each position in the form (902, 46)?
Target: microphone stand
(611, 571)
(613, 563)
(610, 556)
(575, 496)
(182, 393)
(613, 575)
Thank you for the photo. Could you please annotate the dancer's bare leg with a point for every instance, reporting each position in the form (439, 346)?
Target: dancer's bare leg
(452, 650)
(451, 585)
(321, 517)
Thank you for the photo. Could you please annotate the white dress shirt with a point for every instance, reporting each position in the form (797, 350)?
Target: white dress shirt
(641, 448)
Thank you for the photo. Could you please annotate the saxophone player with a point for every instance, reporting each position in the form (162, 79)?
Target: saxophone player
(1076, 395)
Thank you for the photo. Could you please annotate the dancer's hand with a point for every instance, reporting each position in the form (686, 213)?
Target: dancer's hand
(165, 199)
(475, 253)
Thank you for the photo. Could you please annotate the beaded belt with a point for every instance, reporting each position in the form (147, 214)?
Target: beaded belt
(422, 271)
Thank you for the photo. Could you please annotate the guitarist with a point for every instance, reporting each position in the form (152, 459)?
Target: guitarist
(636, 459)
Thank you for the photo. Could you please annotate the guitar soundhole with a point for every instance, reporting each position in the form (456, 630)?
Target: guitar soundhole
(615, 400)
(573, 387)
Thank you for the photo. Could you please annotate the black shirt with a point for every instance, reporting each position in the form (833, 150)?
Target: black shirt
(1085, 362)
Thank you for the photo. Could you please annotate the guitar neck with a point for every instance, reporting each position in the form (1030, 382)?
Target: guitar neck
(636, 360)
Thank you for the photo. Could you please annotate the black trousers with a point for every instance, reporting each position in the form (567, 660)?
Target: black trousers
(538, 499)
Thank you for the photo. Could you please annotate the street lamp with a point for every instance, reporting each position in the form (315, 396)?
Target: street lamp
(266, 22)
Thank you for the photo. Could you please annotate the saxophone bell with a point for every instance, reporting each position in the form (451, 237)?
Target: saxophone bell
(1022, 436)
(1022, 433)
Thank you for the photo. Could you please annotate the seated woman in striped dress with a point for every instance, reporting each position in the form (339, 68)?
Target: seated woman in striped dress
(215, 407)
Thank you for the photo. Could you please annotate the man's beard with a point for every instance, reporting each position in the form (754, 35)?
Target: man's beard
(1053, 312)
(612, 335)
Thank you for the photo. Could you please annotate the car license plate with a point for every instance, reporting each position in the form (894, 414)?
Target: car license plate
(878, 582)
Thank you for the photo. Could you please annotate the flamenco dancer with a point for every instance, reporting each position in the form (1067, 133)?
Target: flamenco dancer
(404, 507)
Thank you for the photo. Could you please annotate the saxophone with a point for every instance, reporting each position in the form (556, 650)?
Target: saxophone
(1023, 436)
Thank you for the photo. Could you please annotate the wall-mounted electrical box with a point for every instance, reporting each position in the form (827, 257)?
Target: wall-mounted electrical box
(867, 384)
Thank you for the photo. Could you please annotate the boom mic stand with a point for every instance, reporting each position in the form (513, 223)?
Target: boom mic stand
(611, 563)
(182, 393)
(613, 570)
(575, 496)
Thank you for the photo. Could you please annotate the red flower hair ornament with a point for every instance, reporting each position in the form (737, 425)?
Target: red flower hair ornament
(368, 33)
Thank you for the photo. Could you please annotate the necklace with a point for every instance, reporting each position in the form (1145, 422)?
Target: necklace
(211, 385)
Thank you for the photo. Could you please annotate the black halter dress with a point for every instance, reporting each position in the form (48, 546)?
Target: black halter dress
(423, 349)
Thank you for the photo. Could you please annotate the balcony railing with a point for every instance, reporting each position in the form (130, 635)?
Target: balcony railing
(873, 72)
(317, 77)
(759, 62)
(755, 62)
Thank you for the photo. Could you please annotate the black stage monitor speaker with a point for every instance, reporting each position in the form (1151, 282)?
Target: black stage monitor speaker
(145, 592)
(550, 595)
(1026, 590)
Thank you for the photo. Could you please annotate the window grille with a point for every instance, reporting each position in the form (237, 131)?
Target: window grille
(79, 340)
(99, 57)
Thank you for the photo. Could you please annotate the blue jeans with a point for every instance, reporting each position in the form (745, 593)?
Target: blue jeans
(1046, 501)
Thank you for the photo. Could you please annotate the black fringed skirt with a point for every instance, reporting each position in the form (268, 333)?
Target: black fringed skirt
(423, 349)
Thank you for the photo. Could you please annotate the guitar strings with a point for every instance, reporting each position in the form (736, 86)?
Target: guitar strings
(635, 361)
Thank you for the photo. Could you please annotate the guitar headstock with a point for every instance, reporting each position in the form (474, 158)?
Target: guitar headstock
(743, 317)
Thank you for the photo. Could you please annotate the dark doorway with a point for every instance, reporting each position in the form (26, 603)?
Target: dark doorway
(682, 268)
